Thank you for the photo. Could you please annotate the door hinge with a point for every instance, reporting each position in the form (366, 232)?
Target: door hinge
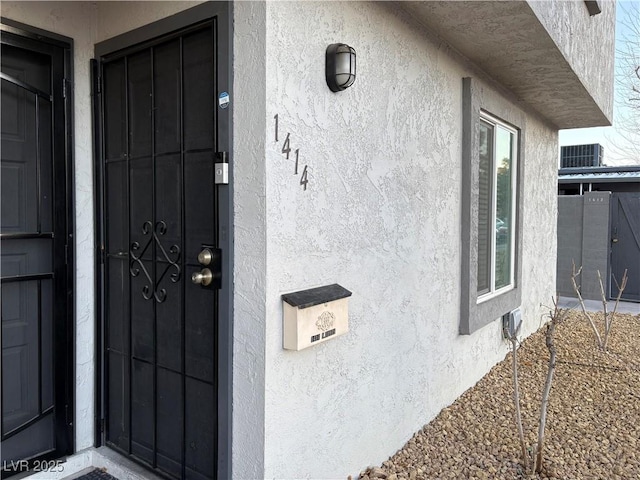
(102, 425)
(66, 254)
(66, 86)
(101, 254)
(66, 415)
(99, 89)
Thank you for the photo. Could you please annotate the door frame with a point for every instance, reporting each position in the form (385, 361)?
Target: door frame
(29, 37)
(224, 82)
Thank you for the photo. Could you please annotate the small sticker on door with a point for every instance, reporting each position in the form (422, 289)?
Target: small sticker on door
(223, 100)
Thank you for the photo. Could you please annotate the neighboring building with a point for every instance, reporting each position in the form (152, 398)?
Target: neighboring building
(576, 181)
(427, 189)
(581, 155)
(599, 229)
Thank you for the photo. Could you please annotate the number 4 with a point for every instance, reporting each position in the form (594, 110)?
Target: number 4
(304, 180)
(286, 146)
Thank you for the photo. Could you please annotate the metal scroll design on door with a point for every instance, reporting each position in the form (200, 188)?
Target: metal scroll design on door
(137, 266)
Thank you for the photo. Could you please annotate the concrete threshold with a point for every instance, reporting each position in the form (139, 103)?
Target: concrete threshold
(103, 458)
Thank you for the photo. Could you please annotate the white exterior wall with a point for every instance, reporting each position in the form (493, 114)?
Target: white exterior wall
(250, 255)
(381, 216)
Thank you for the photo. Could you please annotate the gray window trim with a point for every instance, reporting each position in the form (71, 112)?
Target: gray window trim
(476, 98)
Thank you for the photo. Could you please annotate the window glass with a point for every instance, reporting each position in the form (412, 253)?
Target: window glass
(496, 201)
(504, 230)
(484, 207)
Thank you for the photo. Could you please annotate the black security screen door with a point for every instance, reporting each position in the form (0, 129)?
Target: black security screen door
(34, 243)
(162, 257)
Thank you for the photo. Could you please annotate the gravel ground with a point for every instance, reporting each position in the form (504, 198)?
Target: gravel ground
(593, 421)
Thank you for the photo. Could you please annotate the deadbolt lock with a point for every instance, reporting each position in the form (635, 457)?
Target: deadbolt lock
(204, 277)
(205, 257)
(210, 276)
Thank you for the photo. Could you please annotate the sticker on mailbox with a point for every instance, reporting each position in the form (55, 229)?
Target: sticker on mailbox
(223, 100)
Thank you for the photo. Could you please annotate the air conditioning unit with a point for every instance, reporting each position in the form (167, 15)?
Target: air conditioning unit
(511, 323)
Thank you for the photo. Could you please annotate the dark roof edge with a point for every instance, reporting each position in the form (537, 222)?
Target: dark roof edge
(564, 181)
(587, 170)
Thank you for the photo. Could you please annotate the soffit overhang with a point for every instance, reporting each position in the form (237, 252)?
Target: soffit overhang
(507, 41)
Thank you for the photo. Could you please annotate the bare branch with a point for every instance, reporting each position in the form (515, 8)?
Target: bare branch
(556, 317)
(609, 322)
(574, 274)
(516, 401)
(603, 296)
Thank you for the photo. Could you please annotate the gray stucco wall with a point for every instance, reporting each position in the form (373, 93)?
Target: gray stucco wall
(570, 216)
(595, 243)
(583, 238)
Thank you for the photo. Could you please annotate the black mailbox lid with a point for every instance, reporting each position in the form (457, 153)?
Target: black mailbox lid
(316, 296)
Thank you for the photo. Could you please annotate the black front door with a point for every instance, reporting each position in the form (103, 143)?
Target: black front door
(162, 250)
(35, 250)
(625, 243)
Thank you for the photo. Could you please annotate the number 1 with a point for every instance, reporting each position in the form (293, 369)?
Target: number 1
(276, 119)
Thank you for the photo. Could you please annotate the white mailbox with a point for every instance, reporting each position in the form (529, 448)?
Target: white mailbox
(314, 316)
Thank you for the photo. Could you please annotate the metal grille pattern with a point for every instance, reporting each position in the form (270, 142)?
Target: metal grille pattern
(152, 289)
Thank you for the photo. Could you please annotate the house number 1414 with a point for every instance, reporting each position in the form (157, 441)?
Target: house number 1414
(286, 151)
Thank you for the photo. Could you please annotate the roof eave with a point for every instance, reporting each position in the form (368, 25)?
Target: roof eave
(509, 42)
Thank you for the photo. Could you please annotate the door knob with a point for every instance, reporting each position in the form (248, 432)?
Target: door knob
(205, 257)
(204, 277)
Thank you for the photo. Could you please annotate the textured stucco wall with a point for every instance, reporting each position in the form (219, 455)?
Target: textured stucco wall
(587, 42)
(539, 220)
(511, 43)
(250, 256)
(381, 216)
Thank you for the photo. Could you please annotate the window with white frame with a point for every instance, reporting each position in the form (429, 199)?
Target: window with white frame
(496, 207)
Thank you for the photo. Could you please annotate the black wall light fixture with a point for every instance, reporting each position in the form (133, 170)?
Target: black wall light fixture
(340, 68)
